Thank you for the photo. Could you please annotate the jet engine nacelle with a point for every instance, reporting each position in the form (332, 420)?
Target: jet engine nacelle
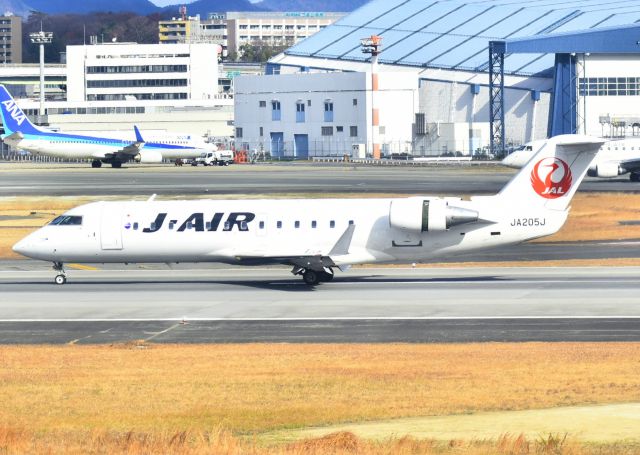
(148, 156)
(604, 170)
(422, 215)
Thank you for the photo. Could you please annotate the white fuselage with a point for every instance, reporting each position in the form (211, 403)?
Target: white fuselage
(261, 231)
(96, 148)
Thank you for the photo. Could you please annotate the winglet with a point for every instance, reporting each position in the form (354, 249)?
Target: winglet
(342, 245)
(138, 135)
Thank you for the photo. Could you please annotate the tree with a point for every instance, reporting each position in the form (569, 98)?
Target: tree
(260, 51)
(77, 28)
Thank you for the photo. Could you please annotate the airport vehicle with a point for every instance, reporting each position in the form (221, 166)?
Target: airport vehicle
(216, 157)
(616, 157)
(317, 236)
(22, 134)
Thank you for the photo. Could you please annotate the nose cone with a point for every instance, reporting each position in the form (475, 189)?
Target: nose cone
(22, 247)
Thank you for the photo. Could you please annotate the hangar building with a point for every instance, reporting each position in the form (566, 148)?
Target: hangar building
(444, 46)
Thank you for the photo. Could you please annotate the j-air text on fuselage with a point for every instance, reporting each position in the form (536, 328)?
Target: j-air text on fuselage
(22, 134)
(317, 236)
(616, 157)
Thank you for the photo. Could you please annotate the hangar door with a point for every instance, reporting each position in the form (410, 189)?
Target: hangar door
(301, 142)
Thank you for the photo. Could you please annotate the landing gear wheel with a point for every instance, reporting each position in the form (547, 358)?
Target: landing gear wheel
(634, 177)
(326, 276)
(60, 279)
(311, 277)
(116, 164)
(96, 163)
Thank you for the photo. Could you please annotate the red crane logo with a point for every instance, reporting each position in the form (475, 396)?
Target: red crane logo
(551, 178)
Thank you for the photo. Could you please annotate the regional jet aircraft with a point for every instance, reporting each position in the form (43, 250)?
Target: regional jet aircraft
(616, 158)
(22, 134)
(316, 236)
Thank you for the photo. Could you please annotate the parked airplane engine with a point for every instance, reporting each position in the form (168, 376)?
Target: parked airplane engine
(148, 156)
(606, 169)
(418, 214)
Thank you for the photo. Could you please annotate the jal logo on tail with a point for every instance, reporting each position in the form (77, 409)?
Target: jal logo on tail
(15, 112)
(551, 178)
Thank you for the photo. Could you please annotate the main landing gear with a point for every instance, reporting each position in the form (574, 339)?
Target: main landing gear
(634, 177)
(61, 277)
(96, 163)
(313, 277)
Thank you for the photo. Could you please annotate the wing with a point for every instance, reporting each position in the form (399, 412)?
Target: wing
(301, 261)
(126, 153)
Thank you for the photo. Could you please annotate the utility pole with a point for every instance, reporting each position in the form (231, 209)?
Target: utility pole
(373, 46)
(41, 38)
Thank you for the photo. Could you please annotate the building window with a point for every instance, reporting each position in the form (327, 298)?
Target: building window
(238, 132)
(300, 112)
(275, 111)
(327, 131)
(353, 131)
(263, 104)
(328, 111)
(339, 129)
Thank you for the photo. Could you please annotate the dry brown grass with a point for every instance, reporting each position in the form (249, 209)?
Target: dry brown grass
(593, 216)
(140, 398)
(219, 441)
(251, 389)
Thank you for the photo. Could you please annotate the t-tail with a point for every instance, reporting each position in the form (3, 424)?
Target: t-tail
(13, 118)
(552, 176)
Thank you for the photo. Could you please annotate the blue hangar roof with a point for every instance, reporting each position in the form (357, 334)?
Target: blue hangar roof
(454, 34)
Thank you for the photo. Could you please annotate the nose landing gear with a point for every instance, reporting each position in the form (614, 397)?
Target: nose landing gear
(61, 277)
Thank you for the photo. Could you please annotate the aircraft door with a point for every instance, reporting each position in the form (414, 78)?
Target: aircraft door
(111, 227)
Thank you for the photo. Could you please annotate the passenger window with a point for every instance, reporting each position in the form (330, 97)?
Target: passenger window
(227, 225)
(261, 224)
(243, 225)
(189, 225)
(171, 225)
(350, 222)
(313, 224)
(208, 225)
(332, 224)
(297, 224)
(135, 226)
(279, 224)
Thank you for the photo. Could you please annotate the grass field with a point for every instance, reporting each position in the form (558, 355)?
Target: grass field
(593, 217)
(76, 398)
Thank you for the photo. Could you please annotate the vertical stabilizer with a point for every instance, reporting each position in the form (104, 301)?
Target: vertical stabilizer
(552, 176)
(13, 118)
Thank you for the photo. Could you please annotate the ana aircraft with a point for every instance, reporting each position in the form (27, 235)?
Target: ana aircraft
(616, 158)
(22, 134)
(316, 236)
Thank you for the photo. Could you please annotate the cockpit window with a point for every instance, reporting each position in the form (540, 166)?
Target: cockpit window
(67, 220)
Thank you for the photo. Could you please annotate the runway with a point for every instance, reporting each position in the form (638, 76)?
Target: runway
(291, 178)
(362, 305)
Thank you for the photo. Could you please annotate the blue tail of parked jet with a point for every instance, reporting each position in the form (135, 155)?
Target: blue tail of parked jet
(13, 118)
